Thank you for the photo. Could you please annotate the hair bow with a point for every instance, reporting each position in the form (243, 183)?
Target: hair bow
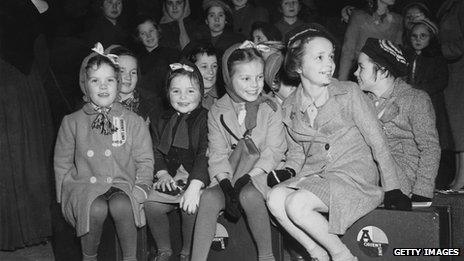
(98, 48)
(177, 66)
(260, 47)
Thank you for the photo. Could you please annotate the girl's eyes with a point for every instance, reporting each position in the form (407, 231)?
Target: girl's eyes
(111, 80)
(191, 91)
(134, 72)
(260, 77)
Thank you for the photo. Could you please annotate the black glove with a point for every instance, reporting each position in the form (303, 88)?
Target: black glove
(276, 176)
(232, 203)
(241, 182)
(417, 198)
(395, 199)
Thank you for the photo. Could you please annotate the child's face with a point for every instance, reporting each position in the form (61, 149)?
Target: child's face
(239, 3)
(259, 37)
(148, 34)
(420, 37)
(365, 74)
(412, 14)
(184, 94)
(128, 73)
(112, 9)
(248, 79)
(208, 68)
(317, 64)
(216, 19)
(290, 8)
(102, 85)
(175, 8)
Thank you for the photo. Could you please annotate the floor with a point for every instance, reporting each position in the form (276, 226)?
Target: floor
(34, 253)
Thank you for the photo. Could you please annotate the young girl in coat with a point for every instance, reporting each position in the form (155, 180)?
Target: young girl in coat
(103, 161)
(334, 140)
(181, 141)
(243, 109)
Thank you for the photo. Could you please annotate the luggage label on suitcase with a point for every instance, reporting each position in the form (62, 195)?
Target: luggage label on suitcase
(372, 241)
(221, 238)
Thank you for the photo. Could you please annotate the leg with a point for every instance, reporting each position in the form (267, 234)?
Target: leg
(121, 211)
(458, 181)
(276, 202)
(158, 222)
(91, 240)
(253, 204)
(303, 208)
(188, 223)
(211, 202)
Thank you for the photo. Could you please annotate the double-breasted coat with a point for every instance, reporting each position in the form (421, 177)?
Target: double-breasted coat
(268, 136)
(408, 120)
(346, 146)
(88, 163)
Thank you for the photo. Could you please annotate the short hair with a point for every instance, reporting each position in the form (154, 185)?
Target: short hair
(269, 30)
(140, 19)
(205, 48)
(99, 60)
(194, 75)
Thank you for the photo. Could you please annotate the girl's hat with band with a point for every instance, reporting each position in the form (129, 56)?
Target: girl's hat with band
(386, 54)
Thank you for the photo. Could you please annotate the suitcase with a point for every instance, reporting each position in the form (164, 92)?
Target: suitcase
(376, 235)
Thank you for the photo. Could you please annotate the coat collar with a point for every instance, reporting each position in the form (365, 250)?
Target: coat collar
(116, 109)
(193, 115)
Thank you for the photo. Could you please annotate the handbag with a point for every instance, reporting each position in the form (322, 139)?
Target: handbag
(244, 154)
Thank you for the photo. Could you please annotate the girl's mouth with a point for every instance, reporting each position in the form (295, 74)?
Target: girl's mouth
(103, 95)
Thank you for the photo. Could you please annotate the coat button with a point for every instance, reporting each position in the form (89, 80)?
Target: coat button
(327, 146)
(107, 153)
(109, 180)
(93, 179)
(90, 153)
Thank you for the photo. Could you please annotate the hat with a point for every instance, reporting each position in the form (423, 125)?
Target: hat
(209, 3)
(433, 28)
(294, 37)
(386, 54)
(422, 4)
(272, 67)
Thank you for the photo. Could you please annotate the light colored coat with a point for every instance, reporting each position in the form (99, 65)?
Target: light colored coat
(87, 163)
(342, 147)
(409, 124)
(268, 135)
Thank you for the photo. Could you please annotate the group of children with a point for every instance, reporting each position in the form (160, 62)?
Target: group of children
(323, 144)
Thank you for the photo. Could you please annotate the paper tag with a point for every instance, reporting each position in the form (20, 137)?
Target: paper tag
(119, 137)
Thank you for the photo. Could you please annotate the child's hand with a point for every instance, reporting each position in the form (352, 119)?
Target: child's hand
(165, 181)
(191, 198)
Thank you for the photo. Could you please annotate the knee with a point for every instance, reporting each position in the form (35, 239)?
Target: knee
(99, 210)
(276, 201)
(250, 197)
(298, 204)
(120, 205)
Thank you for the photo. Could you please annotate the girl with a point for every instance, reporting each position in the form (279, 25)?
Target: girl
(244, 14)
(376, 21)
(218, 19)
(428, 71)
(243, 109)
(132, 98)
(275, 78)
(334, 139)
(406, 115)
(180, 154)
(154, 58)
(103, 161)
(205, 58)
(290, 10)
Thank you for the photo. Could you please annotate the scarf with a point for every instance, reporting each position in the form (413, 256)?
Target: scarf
(167, 18)
(102, 122)
(132, 103)
(175, 133)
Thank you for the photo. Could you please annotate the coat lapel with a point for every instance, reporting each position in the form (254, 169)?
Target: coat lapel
(331, 108)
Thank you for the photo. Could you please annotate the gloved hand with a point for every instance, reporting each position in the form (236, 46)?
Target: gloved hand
(241, 182)
(232, 203)
(395, 199)
(276, 176)
(417, 198)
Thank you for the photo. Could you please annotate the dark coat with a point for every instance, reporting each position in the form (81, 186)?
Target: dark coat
(246, 16)
(170, 33)
(106, 33)
(223, 41)
(431, 76)
(196, 163)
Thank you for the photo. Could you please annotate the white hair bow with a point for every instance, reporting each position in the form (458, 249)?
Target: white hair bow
(260, 47)
(177, 66)
(98, 48)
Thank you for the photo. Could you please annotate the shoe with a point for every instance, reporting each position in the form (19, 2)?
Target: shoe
(164, 255)
(183, 257)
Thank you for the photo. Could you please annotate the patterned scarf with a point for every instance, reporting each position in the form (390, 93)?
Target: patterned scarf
(132, 103)
(102, 121)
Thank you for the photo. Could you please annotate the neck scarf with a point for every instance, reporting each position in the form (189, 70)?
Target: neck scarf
(103, 122)
(175, 133)
(132, 103)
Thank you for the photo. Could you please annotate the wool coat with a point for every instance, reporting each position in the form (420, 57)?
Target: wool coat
(408, 120)
(88, 163)
(346, 146)
(268, 136)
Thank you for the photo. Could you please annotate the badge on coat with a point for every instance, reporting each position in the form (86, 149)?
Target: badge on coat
(119, 137)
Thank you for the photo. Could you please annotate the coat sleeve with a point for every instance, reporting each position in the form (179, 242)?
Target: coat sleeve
(437, 82)
(200, 166)
(369, 126)
(63, 160)
(275, 144)
(422, 119)
(352, 35)
(219, 148)
(295, 154)
(160, 162)
(142, 152)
